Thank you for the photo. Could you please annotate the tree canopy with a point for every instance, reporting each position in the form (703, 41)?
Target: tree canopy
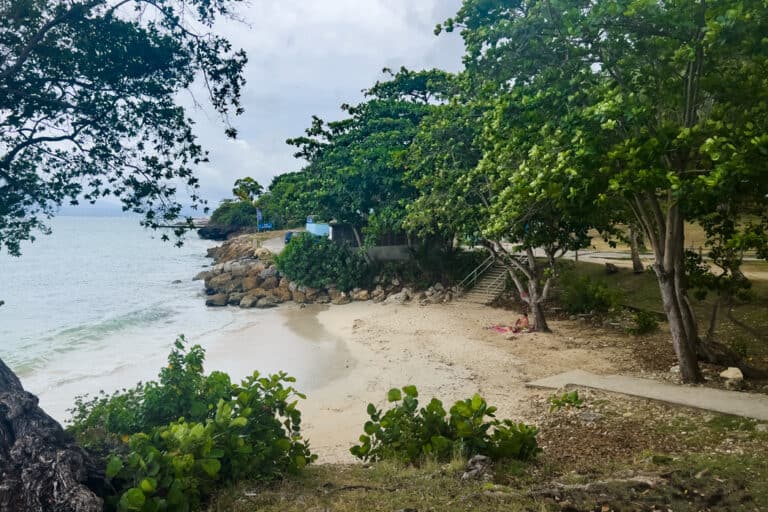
(89, 105)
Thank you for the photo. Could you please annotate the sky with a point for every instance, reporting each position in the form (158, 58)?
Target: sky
(307, 57)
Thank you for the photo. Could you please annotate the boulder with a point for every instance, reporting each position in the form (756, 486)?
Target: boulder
(322, 298)
(249, 301)
(262, 253)
(292, 286)
(361, 295)
(41, 467)
(238, 269)
(250, 282)
(268, 272)
(438, 287)
(201, 276)
(334, 293)
(283, 294)
(299, 297)
(218, 300)
(311, 293)
(270, 283)
(377, 291)
(732, 374)
(342, 299)
(478, 468)
(266, 302)
(285, 283)
(398, 298)
(235, 298)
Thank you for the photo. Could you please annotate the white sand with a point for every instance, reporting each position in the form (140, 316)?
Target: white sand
(446, 351)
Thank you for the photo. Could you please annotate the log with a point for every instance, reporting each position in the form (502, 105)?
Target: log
(41, 467)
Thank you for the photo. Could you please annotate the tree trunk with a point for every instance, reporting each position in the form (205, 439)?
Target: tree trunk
(637, 264)
(539, 320)
(713, 320)
(41, 468)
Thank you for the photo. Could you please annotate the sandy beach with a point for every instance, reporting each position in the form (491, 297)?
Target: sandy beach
(447, 352)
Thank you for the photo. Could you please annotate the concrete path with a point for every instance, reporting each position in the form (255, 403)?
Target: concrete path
(274, 245)
(749, 405)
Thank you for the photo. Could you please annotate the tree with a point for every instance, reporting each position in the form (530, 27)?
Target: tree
(89, 105)
(357, 165)
(247, 189)
(673, 90)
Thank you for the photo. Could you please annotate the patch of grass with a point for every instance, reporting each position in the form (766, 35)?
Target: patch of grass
(385, 486)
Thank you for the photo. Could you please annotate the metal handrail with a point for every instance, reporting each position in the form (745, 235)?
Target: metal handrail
(476, 273)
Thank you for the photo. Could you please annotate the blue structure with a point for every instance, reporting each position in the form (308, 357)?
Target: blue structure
(318, 229)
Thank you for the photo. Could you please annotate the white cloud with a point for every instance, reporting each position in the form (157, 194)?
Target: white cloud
(307, 57)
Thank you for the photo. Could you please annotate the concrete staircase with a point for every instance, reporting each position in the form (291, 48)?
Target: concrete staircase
(489, 283)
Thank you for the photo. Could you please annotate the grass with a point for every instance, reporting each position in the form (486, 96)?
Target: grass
(385, 486)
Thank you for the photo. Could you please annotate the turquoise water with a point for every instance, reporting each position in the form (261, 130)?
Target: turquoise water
(98, 304)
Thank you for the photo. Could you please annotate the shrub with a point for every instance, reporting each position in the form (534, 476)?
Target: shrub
(318, 262)
(410, 434)
(584, 295)
(643, 323)
(236, 214)
(570, 399)
(219, 433)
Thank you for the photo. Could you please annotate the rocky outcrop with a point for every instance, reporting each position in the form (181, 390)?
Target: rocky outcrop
(41, 468)
(244, 275)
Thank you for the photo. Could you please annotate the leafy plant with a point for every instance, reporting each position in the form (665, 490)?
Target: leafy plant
(408, 433)
(217, 433)
(235, 214)
(318, 262)
(643, 323)
(570, 399)
(580, 294)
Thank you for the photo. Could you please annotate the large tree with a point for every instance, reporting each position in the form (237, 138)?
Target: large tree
(678, 92)
(357, 166)
(89, 104)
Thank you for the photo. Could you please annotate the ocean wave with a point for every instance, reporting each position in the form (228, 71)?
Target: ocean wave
(38, 353)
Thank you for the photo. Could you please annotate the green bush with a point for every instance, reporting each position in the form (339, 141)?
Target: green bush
(410, 434)
(643, 322)
(317, 262)
(219, 433)
(236, 214)
(580, 294)
(570, 399)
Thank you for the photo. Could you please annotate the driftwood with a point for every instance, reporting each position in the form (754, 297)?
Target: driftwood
(41, 467)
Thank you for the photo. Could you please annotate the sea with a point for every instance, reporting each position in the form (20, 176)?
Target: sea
(97, 305)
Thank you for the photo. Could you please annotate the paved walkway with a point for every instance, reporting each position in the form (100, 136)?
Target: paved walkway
(749, 405)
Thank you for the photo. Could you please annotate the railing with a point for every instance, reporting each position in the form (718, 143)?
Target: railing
(472, 277)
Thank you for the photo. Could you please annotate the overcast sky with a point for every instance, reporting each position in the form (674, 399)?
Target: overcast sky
(308, 57)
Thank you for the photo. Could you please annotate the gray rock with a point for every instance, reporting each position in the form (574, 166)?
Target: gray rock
(266, 302)
(235, 298)
(322, 298)
(439, 287)
(342, 299)
(734, 384)
(201, 275)
(268, 272)
(590, 416)
(218, 300)
(478, 468)
(249, 301)
(398, 298)
(732, 374)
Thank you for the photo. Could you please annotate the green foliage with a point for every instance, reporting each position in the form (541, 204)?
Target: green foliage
(182, 391)
(173, 442)
(235, 214)
(570, 399)
(318, 262)
(407, 433)
(582, 295)
(89, 102)
(643, 323)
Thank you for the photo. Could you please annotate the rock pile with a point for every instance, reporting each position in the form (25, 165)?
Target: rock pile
(245, 275)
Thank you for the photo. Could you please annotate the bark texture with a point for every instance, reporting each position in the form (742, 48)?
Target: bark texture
(41, 468)
(637, 263)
